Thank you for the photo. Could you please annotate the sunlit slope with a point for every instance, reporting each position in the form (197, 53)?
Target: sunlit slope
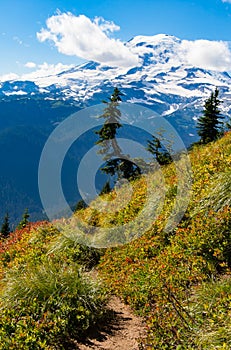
(180, 280)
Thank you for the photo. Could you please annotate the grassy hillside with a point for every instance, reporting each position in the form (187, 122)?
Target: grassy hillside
(47, 301)
(178, 281)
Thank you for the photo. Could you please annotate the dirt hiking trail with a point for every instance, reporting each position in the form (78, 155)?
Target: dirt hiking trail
(122, 331)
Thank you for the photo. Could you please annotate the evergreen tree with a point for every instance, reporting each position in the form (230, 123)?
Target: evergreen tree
(106, 188)
(5, 229)
(122, 168)
(24, 222)
(208, 123)
(155, 148)
(80, 205)
(108, 131)
(116, 163)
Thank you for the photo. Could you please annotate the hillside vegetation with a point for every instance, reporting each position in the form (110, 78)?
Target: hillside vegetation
(181, 281)
(178, 281)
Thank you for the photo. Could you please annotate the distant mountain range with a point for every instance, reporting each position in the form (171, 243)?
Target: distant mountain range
(29, 110)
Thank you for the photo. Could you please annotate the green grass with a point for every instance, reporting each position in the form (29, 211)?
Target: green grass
(219, 196)
(211, 305)
(47, 300)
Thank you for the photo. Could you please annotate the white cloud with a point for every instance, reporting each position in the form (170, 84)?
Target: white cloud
(46, 69)
(79, 36)
(214, 55)
(43, 70)
(9, 76)
(106, 26)
(229, 1)
(30, 65)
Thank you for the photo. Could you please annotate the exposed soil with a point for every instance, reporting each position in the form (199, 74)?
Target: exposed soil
(122, 331)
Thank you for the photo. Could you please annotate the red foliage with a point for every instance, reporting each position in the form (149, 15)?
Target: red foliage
(17, 235)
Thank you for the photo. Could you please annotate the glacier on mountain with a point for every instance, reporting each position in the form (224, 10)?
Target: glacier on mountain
(163, 80)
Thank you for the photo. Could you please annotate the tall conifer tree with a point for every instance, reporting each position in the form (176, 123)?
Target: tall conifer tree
(5, 229)
(208, 123)
(116, 163)
(23, 223)
(159, 153)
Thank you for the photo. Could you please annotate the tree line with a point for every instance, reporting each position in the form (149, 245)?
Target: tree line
(5, 228)
(209, 127)
(117, 165)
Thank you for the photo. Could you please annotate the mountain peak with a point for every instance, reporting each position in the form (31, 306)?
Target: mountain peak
(153, 39)
(156, 49)
(164, 78)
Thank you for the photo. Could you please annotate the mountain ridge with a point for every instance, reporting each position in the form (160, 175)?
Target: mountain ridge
(162, 81)
(162, 66)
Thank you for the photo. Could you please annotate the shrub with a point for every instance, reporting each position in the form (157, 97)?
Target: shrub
(47, 305)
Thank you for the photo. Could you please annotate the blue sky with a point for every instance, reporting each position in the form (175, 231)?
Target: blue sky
(27, 43)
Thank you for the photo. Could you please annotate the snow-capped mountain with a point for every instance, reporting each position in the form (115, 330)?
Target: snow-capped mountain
(163, 77)
(164, 80)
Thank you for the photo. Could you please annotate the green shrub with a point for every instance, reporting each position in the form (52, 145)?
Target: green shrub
(68, 244)
(48, 305)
